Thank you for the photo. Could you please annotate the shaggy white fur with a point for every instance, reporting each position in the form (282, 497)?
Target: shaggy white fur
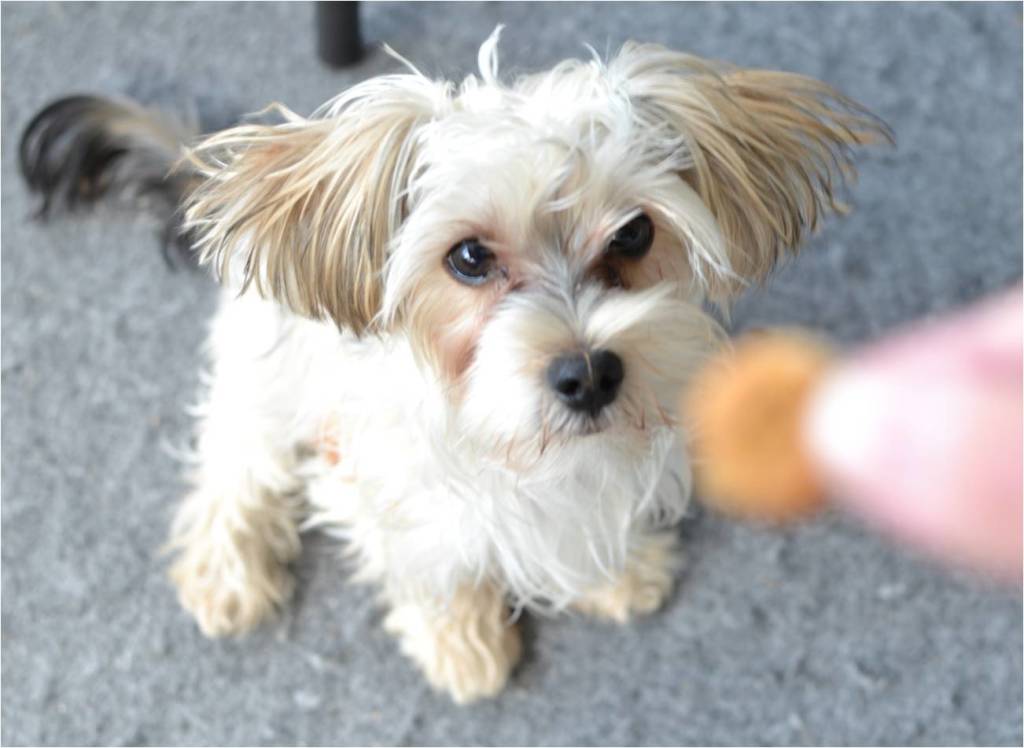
(365, 385)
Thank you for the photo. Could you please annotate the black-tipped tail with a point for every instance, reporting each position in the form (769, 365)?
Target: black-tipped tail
(80, 149)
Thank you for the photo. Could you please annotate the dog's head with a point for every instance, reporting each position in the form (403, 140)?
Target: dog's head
(546, 246)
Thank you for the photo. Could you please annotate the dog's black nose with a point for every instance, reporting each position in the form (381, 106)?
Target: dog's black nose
(586, 382)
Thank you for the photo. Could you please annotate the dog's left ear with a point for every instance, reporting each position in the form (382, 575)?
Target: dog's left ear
(309, 206)
(767, 149)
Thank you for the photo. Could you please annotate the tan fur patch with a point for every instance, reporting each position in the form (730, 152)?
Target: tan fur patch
(464, 646)
(644, 585)
(327, 440)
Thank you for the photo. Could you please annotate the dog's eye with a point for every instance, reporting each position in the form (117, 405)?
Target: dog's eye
(634, 238)
(470, 261)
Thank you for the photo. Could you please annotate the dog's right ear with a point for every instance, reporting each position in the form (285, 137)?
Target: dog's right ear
(310, 205)
(769, 149)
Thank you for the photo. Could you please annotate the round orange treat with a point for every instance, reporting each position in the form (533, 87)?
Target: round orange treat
(746, 409)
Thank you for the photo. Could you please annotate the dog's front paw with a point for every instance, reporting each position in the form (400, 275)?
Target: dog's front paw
(644, 585)
(466, 648)
(227, 586)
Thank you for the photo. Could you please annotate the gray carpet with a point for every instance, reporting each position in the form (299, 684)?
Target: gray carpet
(818, 634)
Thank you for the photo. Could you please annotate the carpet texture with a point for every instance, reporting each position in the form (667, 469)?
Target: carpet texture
(818, 634)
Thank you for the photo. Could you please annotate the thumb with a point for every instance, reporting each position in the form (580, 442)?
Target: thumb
(922, 436)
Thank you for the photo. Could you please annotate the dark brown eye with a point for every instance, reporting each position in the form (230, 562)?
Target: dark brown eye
(633, 239)
(470, 262)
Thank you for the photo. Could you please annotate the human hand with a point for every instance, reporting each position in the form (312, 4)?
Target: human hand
(921, 435)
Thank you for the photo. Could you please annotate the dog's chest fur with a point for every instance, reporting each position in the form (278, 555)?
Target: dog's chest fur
(417, 502)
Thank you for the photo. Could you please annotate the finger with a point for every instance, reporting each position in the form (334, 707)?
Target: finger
(922, 436)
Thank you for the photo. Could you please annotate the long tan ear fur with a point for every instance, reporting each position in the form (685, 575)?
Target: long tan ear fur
(769, 149)
(311, 204)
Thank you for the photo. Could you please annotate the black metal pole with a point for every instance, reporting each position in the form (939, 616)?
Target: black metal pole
(339, 42)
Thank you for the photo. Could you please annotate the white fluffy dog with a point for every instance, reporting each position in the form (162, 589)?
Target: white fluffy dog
(456, 321)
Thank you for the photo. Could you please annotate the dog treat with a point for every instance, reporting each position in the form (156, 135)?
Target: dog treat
(747, 408)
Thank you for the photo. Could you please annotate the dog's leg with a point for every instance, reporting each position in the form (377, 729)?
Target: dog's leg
(237, 529)
(465, 646)
(644, 584)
